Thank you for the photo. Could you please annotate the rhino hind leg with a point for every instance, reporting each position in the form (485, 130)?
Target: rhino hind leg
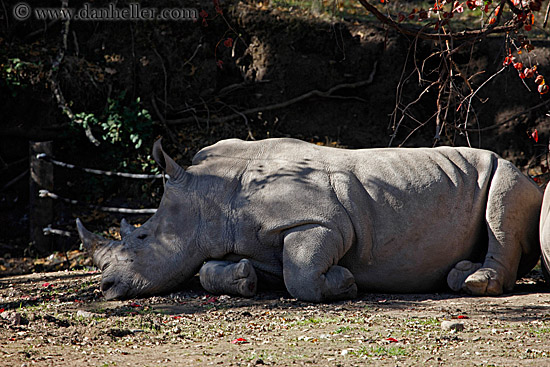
(512, 217)
(225, 277)
(310, 253)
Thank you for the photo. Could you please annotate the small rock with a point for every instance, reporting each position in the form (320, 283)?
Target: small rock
(14, 318)
(452, 325)
(85, 314)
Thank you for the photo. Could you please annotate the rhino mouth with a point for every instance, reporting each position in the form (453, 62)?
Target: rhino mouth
(114, 289)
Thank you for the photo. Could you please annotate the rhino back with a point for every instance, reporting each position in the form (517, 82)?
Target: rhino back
(398, 210)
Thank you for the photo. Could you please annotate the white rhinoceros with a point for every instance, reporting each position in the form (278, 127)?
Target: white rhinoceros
(326, 222)
(545, 233)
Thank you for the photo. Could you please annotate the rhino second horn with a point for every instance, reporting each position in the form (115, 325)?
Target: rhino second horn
(125, 228)
(91, 241)
(167, 164)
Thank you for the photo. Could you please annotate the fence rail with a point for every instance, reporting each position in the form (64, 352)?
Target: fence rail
(42, 195)
(141, 176)
(47, 194)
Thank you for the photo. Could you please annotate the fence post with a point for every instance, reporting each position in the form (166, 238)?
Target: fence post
(41, 209)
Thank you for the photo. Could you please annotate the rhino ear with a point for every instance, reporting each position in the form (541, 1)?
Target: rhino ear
(91, 241)
(167, 164)
(126, 228)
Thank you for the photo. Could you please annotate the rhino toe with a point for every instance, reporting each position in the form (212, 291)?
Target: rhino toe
(458, 275)
(340, 284)
(485, 281)
(245, 278)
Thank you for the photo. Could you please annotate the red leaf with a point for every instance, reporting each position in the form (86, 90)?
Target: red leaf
(228, 42)
(210, 300)
(133, 304)
(535, 136)
(239, 341)
(462, 317)
(1, 310)
(46, 285)
(392, 340)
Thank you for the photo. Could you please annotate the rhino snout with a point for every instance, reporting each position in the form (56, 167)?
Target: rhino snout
(113, 289)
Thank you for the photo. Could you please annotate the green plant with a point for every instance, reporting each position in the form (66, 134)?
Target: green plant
(18, 74)
(124, 125)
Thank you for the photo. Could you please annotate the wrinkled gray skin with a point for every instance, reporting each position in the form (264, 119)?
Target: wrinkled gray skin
(326, 222)
(545, 234)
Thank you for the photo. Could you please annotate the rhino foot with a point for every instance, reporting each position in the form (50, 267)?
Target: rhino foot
(339, 284)
(484, 281)
(245, 279)
(473, 279)
(458, 275)
(220, 277)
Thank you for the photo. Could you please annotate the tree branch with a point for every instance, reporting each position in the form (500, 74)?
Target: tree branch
(464, 35)
(316, 93)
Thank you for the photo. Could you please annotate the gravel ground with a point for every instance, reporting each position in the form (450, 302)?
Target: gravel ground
(61, 319)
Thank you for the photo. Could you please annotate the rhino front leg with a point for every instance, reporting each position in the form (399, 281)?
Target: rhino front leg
(310, 255)
(225, 277)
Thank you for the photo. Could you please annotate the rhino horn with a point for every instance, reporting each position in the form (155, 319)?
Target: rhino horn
(166, 163)
(125, 228)
(91, 241)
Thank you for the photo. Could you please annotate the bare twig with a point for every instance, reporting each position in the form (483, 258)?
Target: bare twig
(313, 93)
(194, 54)
(162, 119)
(56, 90)
(14, 181)
(403, 111)
(250, 135)
(475, 92)
(75, 41)
(464, 35)
(165, 78)
(6, 14)
(461, 129)
(41, 30)
(546, 16)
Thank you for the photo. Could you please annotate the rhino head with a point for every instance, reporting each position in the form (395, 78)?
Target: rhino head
(161, 254)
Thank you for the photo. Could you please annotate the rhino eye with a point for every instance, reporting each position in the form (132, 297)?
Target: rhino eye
(142, 236)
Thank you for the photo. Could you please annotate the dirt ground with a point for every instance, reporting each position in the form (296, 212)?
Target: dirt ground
(61, 319)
